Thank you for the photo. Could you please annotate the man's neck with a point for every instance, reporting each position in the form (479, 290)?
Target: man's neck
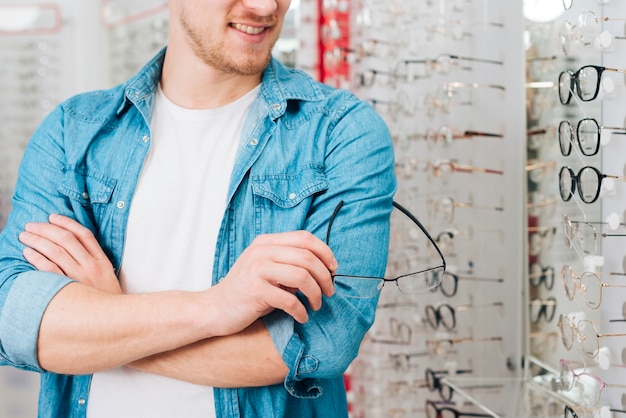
(192, 84)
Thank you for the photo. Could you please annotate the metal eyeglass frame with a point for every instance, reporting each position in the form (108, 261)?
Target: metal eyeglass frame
(395, 279)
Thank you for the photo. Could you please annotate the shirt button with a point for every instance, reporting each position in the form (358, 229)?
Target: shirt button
(121, 204)
(292, 196)
(276, 106)
(81, 401)
(85, 195)
(292, 390)
(145, 138)
(254, 141)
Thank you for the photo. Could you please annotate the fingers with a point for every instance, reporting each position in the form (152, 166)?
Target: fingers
(305, 250)
(40, 262)
(82, 234)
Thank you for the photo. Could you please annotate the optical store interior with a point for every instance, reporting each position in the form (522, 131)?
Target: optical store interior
(509, 126)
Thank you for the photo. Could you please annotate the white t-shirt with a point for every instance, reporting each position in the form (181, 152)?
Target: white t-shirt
(173, 226)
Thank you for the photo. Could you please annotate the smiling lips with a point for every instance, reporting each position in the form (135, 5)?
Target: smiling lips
(250, 30)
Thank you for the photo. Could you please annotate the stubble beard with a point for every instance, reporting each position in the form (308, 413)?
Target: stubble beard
(216, 55)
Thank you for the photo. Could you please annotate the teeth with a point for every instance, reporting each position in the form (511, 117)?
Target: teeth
(248, 29)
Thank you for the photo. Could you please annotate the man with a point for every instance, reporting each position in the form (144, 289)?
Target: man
(163, 257)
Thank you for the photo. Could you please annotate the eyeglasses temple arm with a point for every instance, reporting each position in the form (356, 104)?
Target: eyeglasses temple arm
(419, 224)
(332, 219)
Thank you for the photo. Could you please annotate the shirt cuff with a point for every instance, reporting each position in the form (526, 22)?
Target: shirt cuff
(289, 344)
(21, 315)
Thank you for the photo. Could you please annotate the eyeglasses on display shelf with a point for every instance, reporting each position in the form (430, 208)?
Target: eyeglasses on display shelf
(447, 134)
(585, 83)
(450, 282)
(435, 411)
(372, 76)
(444, 346)
(541, 205)
(587, 135)
(586, 412)
(433, 381)
(444, 167)
(538, 137)
(444, 208)
(442, 64)
(588, 181)
(585, 332)
(582, 235)
(445, 315)
(399, 333)
(402, 361)
(588, 283)
(542, 308)
(588, 386)
(408, 283)
(540, 239)
(539, 170)
(539, 274)
(542, 341)
(457, 30)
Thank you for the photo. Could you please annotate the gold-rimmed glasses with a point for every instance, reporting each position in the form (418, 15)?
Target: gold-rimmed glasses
(444, 208)
(409, 283)
(589, 283)
(585, 332)
(582, 235)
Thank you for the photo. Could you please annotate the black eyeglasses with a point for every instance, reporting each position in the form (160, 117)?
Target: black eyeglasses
(433, 411)
(539, 308)
(539, 274)
(450, 282)
(588, 181)
(408, 283)
(585, 83)
(587, 135)
(433, 382)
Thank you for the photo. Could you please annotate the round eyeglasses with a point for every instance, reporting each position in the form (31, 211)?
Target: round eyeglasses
(588, 181)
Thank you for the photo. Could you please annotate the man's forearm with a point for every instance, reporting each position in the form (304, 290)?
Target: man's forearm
(246, 359)
(85, 330)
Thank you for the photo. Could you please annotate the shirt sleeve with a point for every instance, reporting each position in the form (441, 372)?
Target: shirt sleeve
(24, 292)
(360, 171)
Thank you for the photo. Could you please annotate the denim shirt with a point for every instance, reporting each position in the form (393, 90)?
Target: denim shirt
(304, 147)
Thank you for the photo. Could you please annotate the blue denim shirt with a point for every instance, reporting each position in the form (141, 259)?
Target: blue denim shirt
(304, 147)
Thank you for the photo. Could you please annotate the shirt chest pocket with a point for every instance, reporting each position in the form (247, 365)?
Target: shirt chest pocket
(274, 194)
(87, 190)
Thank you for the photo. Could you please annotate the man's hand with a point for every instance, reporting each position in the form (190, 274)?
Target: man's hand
(65, 247)
(269, 273)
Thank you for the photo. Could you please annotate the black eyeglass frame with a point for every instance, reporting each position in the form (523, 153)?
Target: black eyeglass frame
(384, 279)
(575, 183)
(574, 85)
(566, 145)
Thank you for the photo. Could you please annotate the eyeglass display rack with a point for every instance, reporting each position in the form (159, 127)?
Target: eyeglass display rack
(588, 33)
(470, 93)
(452, 93)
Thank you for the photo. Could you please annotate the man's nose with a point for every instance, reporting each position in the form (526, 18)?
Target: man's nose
(261, 7)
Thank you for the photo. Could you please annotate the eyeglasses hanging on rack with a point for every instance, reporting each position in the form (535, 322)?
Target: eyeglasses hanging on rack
(587, 135)
(584, 83)
(588, 283)
(587, 181)
(585, 332)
